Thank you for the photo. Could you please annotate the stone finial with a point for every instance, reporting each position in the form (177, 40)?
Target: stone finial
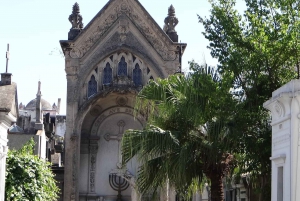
(76, 20)
(39, 105)
(21, 106)
(170, 23)
(39, 88)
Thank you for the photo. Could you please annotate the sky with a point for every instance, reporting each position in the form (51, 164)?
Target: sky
(33, 29)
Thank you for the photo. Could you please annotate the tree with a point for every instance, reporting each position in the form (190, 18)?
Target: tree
(186, 136)
(28, 177)
(257, 53)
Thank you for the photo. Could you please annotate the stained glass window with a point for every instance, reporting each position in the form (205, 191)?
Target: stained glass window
(122, 68)
(137, 75)
(92, 87)
(107, 74)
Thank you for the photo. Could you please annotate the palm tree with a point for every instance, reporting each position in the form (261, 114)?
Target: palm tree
(187, 136)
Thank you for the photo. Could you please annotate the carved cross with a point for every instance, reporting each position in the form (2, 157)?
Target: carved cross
(118, 137)
(7, 57)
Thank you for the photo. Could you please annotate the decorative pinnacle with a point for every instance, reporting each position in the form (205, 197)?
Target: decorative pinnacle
(171, 11)
(76, 8)
(75, 18)
(170, 21)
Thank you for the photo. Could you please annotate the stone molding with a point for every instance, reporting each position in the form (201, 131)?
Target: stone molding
(279, 160)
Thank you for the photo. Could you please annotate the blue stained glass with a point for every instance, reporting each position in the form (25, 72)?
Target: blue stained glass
(137, 75)
(107, 74)
(92, 87)
(122, 68)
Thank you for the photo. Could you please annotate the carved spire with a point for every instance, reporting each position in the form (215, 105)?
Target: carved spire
(170, 23)
(76, 20)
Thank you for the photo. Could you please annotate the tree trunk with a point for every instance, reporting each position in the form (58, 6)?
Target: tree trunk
(217, 191)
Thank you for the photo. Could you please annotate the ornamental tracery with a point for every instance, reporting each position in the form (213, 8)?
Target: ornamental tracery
(122, 72)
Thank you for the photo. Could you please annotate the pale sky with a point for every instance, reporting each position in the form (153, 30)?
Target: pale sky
(33, 29)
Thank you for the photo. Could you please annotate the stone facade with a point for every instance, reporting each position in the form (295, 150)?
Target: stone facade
(107, 63)
(285, 108)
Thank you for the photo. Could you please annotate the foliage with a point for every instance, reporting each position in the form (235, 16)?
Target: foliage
(186, 136)
(28, 178)
(257, 53)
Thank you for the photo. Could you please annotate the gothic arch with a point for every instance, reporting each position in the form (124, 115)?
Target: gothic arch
(155, 68)
(141, 75)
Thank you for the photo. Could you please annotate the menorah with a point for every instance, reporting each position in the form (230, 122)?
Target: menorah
(118, 183)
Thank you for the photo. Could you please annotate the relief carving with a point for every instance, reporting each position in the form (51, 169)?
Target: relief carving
(93, 149)
(95, 111)
(122, 101)
(279, 109)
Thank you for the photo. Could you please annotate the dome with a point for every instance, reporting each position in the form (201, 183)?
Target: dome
(32, 105)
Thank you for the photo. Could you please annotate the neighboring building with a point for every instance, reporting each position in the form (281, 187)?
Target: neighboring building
(42, 122)
(107, 63)
(8, 116)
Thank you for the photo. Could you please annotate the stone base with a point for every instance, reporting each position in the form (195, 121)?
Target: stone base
(173, 36)
(5, 79)
(73, 33)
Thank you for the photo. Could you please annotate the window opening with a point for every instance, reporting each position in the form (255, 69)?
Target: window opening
(122, 68)
(107, 74)
(92, 87)
(137, 75)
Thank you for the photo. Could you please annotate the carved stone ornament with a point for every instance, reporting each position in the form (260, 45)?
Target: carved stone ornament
(75, 18)
(95, 111)
(148, 28)
(121, 124)
(93, 149)
(278, 108)
(122, 101)
(171, 21)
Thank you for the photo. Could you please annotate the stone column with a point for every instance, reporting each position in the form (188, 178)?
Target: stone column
(72, 136)
(93, 150)
(285, 110)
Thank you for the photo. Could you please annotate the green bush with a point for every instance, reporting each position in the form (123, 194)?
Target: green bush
(28, 178)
